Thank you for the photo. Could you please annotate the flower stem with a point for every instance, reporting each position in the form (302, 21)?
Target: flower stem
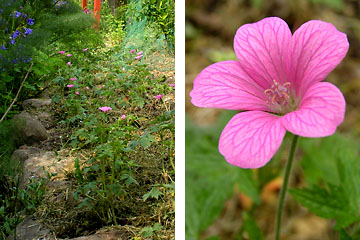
(283, 190)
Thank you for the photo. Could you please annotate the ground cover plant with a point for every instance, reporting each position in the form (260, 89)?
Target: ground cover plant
(112, 97)
(266, 80)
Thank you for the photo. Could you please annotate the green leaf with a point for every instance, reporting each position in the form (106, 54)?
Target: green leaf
(153, 193)
(210, 180)
(325, 204)
(253, 230)
(344, 235)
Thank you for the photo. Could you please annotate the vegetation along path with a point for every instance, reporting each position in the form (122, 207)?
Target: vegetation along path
(87, 150)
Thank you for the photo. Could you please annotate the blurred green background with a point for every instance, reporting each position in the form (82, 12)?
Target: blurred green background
(225, 202)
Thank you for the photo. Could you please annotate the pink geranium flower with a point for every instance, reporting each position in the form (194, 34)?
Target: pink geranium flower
(140, 53)
(85, 49)
(171, 85)
(61, 52)
(132, 51)
(69, 55)
(87, 88)
(138, 57)
(68, 63)
(77, 93)
(159, 96)
(277, 82)
(73, 78)
(123, 116)
(105, 109)
(70, 85)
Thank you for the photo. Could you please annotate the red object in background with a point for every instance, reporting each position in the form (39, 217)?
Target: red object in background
(83, 4)
(97, 8)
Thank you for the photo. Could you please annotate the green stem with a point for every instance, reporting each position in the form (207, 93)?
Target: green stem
(283, 190)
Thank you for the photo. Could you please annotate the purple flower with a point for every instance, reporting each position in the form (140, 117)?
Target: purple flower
(105, 109)
(16, 14)
(15, 34)
(28, 31)
(30, 21)
(159, 96)
(12, 41)
(24, 15)
(3, 47)
(277, 83)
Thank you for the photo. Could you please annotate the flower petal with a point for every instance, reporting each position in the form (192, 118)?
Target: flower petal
(321, 110)
(251, 139)
(317, 48)
(225, 85)
(263, 50)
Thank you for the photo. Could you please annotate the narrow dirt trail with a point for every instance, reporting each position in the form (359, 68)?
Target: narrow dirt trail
(52, 163)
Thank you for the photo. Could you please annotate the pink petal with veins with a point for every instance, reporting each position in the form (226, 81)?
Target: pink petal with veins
(250, 139)
(317, 48)
(263, 50)
(321, 110)
(226, 85)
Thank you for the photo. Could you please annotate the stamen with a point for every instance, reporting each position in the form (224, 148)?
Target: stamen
(279, 93)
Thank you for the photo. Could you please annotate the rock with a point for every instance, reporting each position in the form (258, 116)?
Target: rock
(40, 164)
(36, 103)
(23, 153)
(30, 229)
(30, 129)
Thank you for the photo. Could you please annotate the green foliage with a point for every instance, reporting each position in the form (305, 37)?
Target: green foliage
(334, 186)
(148, 232)
(251, 228)
(210, 180)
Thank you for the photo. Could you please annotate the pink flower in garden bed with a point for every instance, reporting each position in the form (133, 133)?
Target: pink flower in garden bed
(69, 55)
(68, 63)
(87, 88)
(77, 93)
(70, 85)
(140, 53)
(85, 49)
(105, 109)
(61, 52)
(132, 51)
(159, 96)
(277, 83)
(73, 78)
(123, 116)
(172, 85)
(138, 57)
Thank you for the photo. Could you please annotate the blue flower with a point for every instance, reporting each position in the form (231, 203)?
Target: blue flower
(15, 34)
(31, 21)
(3, 47)
(17, 14)
(1, 10)
(26, 60)
(28, 31)
(24, 15)
(12, 41)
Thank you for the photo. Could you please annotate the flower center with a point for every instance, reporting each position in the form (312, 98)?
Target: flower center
(281, 98)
